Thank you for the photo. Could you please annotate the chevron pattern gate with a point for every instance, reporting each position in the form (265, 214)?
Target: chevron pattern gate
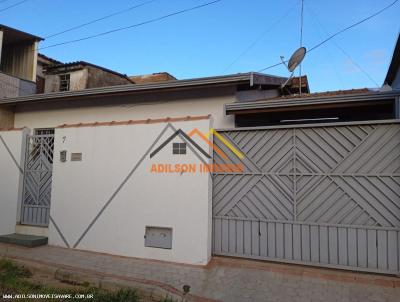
(37, 180)
(326, 195)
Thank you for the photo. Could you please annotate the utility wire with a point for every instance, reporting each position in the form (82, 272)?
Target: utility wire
(134, 25)
(13, 5)
(339, 32)
(341, 49)
(100, 19)
(353, 25)
(329, 53)
(259, 38)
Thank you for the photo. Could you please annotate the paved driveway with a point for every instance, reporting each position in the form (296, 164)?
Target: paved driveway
(224, 279)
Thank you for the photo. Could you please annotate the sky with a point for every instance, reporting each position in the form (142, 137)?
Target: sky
(228, 37)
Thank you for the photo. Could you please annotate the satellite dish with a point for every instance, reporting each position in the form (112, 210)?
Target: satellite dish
(296, 58)
(294, 61)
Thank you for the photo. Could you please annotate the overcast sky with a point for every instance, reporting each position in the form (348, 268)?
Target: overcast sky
(207, 41)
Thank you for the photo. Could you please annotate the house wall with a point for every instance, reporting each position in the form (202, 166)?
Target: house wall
(78, 80)
(110, 154)
(6, 117)
(396, 81)
(150, 105)
(11, 144)
(11, 86)
(100, 78)
(20, 60)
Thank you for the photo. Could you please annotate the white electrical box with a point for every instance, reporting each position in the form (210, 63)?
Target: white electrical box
(159, 237)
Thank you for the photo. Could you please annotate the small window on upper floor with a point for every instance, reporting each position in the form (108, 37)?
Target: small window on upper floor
(64, 82)
(179, 148)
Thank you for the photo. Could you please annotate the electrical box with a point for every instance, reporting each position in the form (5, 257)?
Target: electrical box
(63, 156)
(159, 237)
(76, 156)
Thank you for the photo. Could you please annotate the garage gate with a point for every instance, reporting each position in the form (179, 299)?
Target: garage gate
(325, 195)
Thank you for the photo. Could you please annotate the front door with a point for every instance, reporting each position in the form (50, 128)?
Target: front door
(35, 209)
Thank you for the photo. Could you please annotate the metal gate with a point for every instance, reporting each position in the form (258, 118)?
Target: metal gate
(35, 209)
(326, 195)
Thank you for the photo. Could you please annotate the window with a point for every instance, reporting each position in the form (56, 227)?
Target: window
(179, 148)
(44, 131)
(64, 82)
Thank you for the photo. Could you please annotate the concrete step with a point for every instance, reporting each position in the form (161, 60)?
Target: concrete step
(24, 240)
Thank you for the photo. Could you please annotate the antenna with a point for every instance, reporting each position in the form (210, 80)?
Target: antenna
(301, 39)
(294, 61)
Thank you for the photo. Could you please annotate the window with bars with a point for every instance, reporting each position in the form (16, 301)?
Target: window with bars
(179, 148)
(44, 131)
(64, 82)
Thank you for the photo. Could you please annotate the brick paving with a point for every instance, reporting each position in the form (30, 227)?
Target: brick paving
(224, 279)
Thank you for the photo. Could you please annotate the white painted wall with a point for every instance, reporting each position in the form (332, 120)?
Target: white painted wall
(10, 179)
(131, 108)
(80, 189)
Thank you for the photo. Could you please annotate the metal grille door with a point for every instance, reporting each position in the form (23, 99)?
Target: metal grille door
(326, 195)
(37, 180)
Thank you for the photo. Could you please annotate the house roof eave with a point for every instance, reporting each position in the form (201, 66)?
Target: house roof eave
(250, 78)
(233, 108)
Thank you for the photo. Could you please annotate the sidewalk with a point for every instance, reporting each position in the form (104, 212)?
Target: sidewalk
(224, 279)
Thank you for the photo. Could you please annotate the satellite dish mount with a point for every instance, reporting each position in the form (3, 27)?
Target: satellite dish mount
(294, 61)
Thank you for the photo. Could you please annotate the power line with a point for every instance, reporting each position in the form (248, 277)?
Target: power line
(329, 53)
(339, 32)
(258, 39)
(353, 25)
(134, 25)
(272, 66)
(13, 5)
(342, 50)
(100, 19)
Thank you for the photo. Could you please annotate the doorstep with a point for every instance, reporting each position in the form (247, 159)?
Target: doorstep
(24, 240)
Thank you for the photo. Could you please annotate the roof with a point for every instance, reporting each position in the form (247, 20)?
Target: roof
(80, 64)
(322, 94)
(340, 96)
(51, 60)
(249, 78)
(152, 78)
(394, 64)
(14, 35)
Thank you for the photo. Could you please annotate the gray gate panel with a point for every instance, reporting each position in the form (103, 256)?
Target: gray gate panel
(321, 195)
(359, 248)
(35, 208)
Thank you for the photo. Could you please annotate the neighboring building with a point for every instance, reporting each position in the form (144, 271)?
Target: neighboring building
(23, 71)
(392, 80)
(80, 75)
(18, 62)
(152, 78)
(43, 63)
